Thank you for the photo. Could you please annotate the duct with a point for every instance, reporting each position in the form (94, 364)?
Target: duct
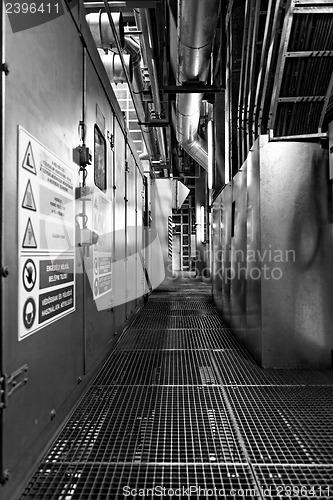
(143, 22)
(196, 27)
(114, 68)
(101, 31)
(133, 48)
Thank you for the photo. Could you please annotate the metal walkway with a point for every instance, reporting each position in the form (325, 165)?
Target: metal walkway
(181, 409)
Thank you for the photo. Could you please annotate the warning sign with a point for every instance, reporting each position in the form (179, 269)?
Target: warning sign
(28, 161)
(58, 272)
(54, 303)
(28, 199)
(29, 240)
(29, 275)
(29, 313)
(46, 232)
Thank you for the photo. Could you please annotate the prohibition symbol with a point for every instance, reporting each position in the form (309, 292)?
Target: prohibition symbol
(29, 275)
(29, 313)
(96, 287)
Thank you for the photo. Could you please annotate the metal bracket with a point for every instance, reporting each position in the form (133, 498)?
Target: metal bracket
(10, 384)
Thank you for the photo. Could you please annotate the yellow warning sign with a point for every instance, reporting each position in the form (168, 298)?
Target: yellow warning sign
(28, 199)
(29, 161)
(29, 240)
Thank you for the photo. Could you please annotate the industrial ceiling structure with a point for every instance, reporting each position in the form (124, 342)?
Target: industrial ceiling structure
(252, 67)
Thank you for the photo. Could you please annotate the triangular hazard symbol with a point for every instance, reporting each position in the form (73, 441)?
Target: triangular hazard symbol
(29, 161)
(29, 240)
(28, 199)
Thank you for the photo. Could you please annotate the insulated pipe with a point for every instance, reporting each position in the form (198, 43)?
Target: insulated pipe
(101, 31)
(196, 27)
(133, 48)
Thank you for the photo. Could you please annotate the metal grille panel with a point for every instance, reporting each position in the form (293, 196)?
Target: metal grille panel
(191, 322)
(296, 482)
(178, 339)
(178, 404)
(163, 425)
(108, 482)
(239, 368)
(285, 425)
(158, 368)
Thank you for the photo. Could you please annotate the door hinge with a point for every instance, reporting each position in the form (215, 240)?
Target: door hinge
(11, 383)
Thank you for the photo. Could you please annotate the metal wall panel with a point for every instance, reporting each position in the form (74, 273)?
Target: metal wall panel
(253, 260)
(98, 298)
(119, 208)
(226, 219)
(216, 253)
(131, 262)
(202, 249)
(139, 230)
(297, 302)
(238, 271)
(34, 99)
(161, 262)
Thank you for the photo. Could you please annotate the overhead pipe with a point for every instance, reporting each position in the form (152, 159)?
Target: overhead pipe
(143, 22)
(197, 22)
(101, 31)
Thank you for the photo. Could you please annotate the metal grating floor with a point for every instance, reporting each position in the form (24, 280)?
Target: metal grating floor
(180, 409)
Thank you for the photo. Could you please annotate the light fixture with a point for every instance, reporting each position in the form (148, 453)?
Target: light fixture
(202, 223)
(210, 140)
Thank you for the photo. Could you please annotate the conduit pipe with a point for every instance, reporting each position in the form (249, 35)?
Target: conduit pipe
(143, 22)
(133, 48)
(197, 22)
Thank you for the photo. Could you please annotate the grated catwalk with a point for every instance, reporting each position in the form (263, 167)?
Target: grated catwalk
(181, 409)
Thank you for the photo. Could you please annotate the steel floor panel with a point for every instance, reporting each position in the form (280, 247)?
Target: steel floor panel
(159, 424)
(171, 303)
(285, 425)
(178, 309)
(158, 368)
(295, 481)
(176, 313)
(239, 368)
(181, 403)
(117, 481)
(177, 339)
(192, 322)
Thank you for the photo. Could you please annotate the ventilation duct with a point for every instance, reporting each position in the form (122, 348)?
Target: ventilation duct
(101, 30)
(196, 29)
(179, 193)
(114, 68)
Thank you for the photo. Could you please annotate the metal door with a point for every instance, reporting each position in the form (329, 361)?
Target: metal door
(41, 303)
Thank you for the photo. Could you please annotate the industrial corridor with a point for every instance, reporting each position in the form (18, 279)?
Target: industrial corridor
(180, 409)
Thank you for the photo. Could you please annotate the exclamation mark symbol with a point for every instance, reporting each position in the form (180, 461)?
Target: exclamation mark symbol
(31, 165)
